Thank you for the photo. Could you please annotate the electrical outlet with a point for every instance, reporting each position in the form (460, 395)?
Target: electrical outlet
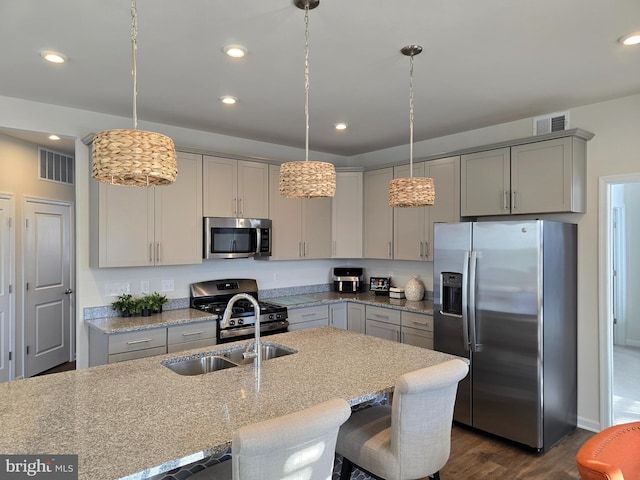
(144, 286)
(115, 289)
(167, 285)
(275, 275)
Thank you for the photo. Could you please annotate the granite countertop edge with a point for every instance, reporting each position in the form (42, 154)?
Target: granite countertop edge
(183, 316)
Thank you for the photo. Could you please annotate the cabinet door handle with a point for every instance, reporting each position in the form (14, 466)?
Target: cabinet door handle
(308, 315)
(421, 254)
(241, 213)
(506, 200)
(234, 206)
(158, 252)
(188, 334)
(299, 249)
(513, 200)
(381, 316)
(134, 342)
(304, 249)
(426, 250)
(151, 252)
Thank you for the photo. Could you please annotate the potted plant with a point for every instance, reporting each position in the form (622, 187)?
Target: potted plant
(125, 304)
(144, 305)
(157, 300)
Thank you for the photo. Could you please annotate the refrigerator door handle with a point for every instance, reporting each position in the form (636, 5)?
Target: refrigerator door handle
(465, 303)
(475, 346)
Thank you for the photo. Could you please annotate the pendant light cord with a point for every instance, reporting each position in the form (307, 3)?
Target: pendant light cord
(411, 116)
(134, 48)
(306, 78)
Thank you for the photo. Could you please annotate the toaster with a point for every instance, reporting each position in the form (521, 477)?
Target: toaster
(347, 279)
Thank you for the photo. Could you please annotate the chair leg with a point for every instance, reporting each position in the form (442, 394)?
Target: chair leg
(435, 476)
(347, 467)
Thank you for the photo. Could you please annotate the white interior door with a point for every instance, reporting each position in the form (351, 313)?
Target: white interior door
(48, 312)
(6, 305)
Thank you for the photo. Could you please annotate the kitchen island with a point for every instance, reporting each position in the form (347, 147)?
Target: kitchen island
(136, 419)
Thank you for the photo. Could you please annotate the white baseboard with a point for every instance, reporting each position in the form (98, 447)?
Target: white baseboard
(588, 424)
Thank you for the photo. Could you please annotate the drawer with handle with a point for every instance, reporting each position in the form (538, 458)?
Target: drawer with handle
(138, 340)
(380, 314)
(191, 332)
(308, 314)
(417, 320)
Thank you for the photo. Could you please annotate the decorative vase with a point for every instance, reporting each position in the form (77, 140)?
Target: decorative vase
(414, 289)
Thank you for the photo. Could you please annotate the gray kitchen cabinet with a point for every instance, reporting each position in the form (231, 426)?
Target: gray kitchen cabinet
(346, 216)
(539, 177)
(235, 188)
(191, 335)
(416, 329)
(133, 227)
(338, 315)
(119, 347)
(308, 317)
(378, 215)
(301, 227)
(413, 227)
(356, 317)
(382, 323)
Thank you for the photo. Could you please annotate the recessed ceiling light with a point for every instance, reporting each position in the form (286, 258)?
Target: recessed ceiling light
(235, 51)
(54, 137)
(229, 100)
(53, 57)
(341, 126)
(631, 39)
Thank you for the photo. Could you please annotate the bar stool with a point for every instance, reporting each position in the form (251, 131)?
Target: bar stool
(300, 445)
(612, 454)
(410, 439)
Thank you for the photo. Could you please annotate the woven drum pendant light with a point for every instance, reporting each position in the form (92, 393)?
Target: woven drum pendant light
(307, 179)
(134, 157)
(412, 191)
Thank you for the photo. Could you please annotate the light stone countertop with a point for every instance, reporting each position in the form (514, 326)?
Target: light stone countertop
(137, 418)
(111, 325)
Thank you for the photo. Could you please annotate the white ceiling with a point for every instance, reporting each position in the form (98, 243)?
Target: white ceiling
(484, 62)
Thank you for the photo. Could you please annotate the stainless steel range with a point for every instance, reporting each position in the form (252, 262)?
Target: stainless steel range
(212, 297)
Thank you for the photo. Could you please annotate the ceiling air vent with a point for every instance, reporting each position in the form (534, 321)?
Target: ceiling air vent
(552, 122)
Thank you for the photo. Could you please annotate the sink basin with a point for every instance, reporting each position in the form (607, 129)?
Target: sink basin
(200, 365)
(219, 360)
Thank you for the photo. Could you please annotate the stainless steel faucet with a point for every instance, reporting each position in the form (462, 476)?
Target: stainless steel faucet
(257, 350)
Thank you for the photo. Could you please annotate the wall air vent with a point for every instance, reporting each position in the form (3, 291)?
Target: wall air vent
(552, 122)
(56, 166)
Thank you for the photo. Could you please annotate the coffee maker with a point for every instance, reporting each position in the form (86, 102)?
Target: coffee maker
(347, 279)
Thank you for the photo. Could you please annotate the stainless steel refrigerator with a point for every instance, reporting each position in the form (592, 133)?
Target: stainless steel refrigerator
(505, 297)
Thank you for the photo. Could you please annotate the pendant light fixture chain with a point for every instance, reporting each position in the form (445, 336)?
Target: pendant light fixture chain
(134, 51)
(306, 78)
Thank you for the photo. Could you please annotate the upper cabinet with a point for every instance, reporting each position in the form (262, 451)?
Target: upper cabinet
(301, 227)
(542, 177)
(413, 227)
(378, 215)
(346, 216)
(136, 227)
(235, 188)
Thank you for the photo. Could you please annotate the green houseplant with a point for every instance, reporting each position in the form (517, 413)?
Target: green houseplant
(145, 305)
(125, 304)
(157, 300)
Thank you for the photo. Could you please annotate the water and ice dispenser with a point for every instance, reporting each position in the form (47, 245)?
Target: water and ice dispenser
(452, 293)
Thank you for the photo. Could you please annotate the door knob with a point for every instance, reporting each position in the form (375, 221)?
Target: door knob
(68, 291)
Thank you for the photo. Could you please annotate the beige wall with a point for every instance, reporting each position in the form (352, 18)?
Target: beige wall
(613, 150)
(632, 234)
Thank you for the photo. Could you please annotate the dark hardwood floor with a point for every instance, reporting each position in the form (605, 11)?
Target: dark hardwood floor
(60, 368)
(477, 456)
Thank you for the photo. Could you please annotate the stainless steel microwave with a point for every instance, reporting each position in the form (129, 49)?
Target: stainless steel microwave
(226, 237)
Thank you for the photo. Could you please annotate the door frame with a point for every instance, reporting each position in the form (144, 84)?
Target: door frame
(605, 290)
(11, 366)
(72, 277)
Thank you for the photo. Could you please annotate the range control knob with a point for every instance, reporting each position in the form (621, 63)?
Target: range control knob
(240, 321)
(232, 323)
(271, 317)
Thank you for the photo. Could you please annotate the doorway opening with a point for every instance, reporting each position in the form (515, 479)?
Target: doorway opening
(619, 308)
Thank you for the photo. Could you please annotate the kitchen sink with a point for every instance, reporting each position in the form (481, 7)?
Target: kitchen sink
(204, 363)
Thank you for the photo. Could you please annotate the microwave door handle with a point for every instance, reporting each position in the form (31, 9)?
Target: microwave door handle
(258, 236)
(465, 303)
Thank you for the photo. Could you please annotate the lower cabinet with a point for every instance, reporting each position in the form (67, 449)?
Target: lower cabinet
(308, 317)
(355, 317)
(417, 329)
(382, 323)
(338, 315)
(192, 335)
(117, 347)
(400, 326)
